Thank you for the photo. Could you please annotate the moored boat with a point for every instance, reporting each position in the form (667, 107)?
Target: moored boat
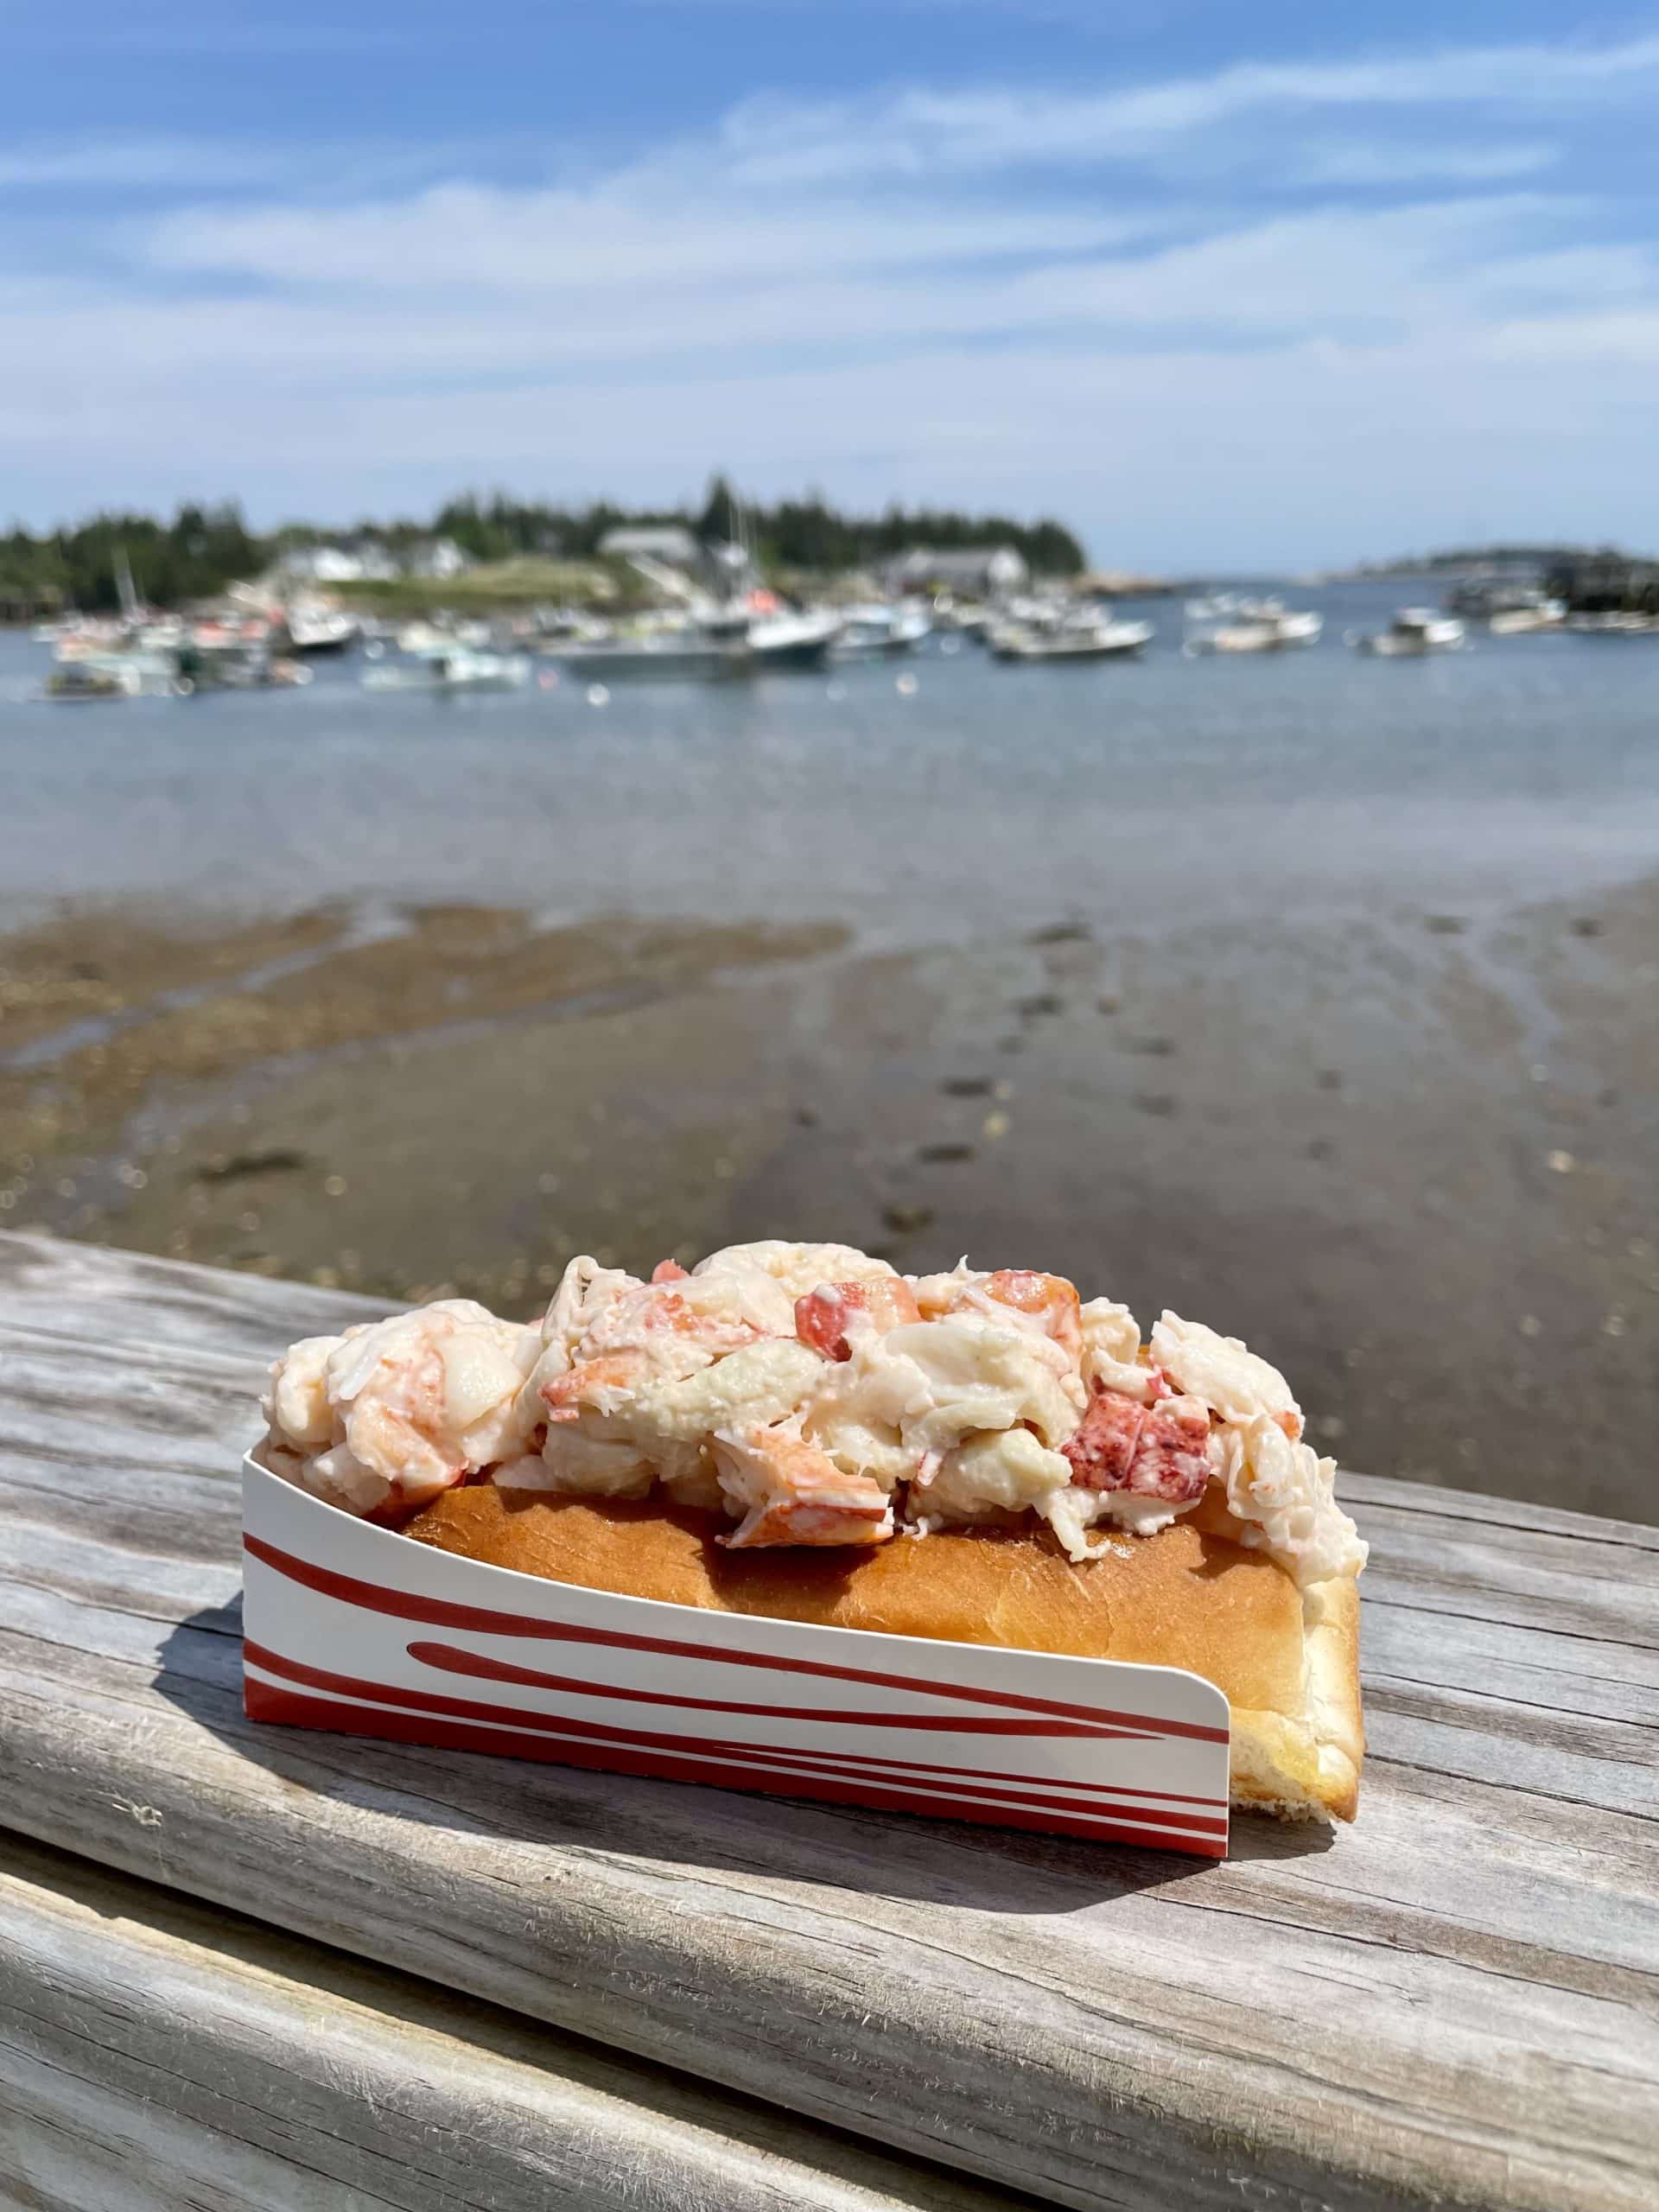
(1089, 636)
(869, 633)
(790, 640)
(1518, 622)
(314, 629)
(463, 668)
(1414, 632)
(667, 658)
(1270, 627)
(81, 682)
(1614, 625)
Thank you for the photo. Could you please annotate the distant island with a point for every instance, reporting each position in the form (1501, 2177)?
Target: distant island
(490, 545)
(1482, 559)
(1588, 579)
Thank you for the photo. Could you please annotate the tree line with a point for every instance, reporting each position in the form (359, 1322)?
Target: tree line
(203, 548)
(806, 533)
(197, 553)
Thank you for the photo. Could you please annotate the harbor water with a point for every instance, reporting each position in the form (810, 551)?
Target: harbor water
(986, 796)
(1308, 993)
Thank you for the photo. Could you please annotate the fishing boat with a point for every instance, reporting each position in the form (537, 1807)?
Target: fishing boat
(1090, 635)
(1613, 624)
(462, 668)
(966, 614)
(1485, 599)
(316, 629)
(1263, 626)
(1216, 606)
(790, 640)
(112, 674)
(661, 658)
(209, 663)
(1414, 632)
(1299, 627)
(425, 638)
(1517, 621)
(872, 632)
(80, 683)
(90, 640)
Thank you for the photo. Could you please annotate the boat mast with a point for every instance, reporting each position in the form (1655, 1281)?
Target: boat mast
(123, 584)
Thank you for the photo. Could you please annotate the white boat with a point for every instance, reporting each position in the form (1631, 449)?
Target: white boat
(1086, 636)
(663, 658)
(314, 629)
(1270, 628)
(1488, 598)
(1217, 606)
(82, 682)
(792, 640)
(1613, 625)
(89, 639)
(951, 613)
(425, 638)
(1516, 621)
(1030, 612)
(870, 631)
(1235, 637)
(1414, 632)
(462, 668)
(115, 676)
(1299, 627)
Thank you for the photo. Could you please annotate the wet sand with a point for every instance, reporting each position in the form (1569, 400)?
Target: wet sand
(1409, 1157)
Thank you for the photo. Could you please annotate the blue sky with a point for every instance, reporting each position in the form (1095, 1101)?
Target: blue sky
(1220, 291)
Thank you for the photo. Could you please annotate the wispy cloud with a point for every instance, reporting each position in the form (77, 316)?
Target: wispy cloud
(185, 167)
(1255, 292)
(1360, 161)
(187, 164)
(920, 131)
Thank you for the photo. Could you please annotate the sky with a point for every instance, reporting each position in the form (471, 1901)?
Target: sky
(1220, 287)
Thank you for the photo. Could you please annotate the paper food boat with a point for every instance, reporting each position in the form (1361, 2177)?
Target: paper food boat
(354, 1629)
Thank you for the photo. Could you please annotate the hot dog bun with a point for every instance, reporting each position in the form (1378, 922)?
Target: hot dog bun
(1193, 1597)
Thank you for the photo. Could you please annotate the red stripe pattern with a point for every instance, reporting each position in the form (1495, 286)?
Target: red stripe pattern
(1108, 1772)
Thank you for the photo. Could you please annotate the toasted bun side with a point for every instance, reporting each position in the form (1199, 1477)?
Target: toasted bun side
(1189, 1597)
(1330, 1611)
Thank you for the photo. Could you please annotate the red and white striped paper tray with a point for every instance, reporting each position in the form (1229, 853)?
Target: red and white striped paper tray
(352, 1628)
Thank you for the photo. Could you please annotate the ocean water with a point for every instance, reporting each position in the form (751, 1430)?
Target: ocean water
(986, 797)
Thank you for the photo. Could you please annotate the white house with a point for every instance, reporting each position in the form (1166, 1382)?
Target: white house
(651, 542)
(438, 557)
(360, 560)
(984, 571)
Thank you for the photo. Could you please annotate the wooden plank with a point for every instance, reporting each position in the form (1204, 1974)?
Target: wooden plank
(1453, 2003)
(87, 1294)
(156, 2054)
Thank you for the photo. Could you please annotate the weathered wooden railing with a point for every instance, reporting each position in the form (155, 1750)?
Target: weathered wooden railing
(287, 1968)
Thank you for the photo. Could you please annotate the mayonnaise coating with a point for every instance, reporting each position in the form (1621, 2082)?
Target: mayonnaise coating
(392, 1412)
(1231, 1380)
(811, 1395)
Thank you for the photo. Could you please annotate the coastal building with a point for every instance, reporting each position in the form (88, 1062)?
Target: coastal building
(437, 557)
(371, 560)
(351, 561)
(666, 542)
(976, 571)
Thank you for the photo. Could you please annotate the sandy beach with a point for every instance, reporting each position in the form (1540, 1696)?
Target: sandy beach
(1403, 1155)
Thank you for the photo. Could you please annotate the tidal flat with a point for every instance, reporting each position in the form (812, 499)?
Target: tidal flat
(1407, 1154)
